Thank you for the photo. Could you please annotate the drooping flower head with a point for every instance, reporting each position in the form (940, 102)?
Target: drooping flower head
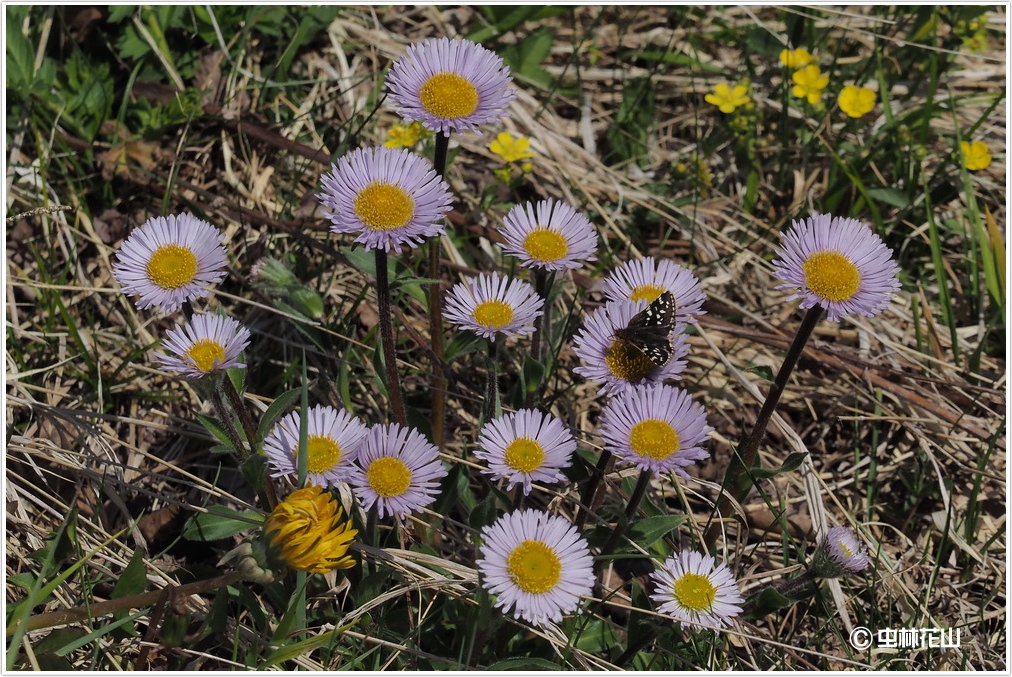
(693, 589)
(524, 447)
(493, 304)
(450, 85)
(397, 470)
(306, 531)
(386, 197)
(657, 428)
(648, 278)
(169, 260)
(856, 101)
(726, 98)
(333, 441)
(537, 564)
(550, 235)
(809, 83)
(840, 553)
(208, 343)
(839, 264)
(611, 362)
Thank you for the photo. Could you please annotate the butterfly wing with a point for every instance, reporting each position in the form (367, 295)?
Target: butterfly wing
(648, 330)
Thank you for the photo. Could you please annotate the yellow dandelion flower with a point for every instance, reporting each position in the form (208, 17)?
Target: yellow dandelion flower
(306, 531)
(856, 101)
(727, 99)
(795, 58)
(976, 155)
(809, 83)
(510, 149)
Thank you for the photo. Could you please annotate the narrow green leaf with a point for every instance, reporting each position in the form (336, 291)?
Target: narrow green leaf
(220, 522)
(278, 408)
(649, 530)
(791, 464)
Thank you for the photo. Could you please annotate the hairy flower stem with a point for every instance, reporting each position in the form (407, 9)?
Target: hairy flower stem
(746, 456)
(491, 407)
(251, 437)
(94, 610)
(589, 495)
(541, 343)
(387, 337)
(266, 490)
(634, 503)
(439, 384)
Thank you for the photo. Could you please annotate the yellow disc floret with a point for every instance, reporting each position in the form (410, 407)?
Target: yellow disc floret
(493, 314)
(384, 206)
(449, 96)
(654, 439)
(324, 454)
(534, 567)
(695, 592)
(546, 244)
(206, 353)
(830, 275)
(524, 454)
(171, 266)
(650, 292)
(627, 362)
(388, 476)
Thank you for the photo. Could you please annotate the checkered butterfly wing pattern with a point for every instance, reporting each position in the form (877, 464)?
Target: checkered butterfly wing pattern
(648, 330)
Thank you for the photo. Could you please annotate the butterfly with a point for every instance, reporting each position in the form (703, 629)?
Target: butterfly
(647, 332)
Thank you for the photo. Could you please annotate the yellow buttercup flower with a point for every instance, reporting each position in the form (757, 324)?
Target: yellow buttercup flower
(795, 58)
(306, 531)
(976, 155)
(510, 149)
(406, 136)
(727, 99)
(856, 101)
(809, 83)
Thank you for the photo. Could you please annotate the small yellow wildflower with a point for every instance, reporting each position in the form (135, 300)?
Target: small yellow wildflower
(809, 83)
(975, 156)
(401, 136)
(306, 531)
(856, 101)
(510, 149)
(796, 58)
(727, 99)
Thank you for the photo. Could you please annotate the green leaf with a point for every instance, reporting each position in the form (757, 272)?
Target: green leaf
(278, 408)
(763, 372)
(792, 463)
(766, 601)
(132, 581)
(20, 70)
(890, 196)
(523, 663)
(220, 522)
(217, 430)
(305, 646)
(649, 530)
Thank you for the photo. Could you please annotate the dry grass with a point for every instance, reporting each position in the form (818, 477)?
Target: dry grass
(904, 444)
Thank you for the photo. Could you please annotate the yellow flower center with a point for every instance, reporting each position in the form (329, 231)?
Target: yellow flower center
(172, 265)
(653, 438)
(205, 353)
(626, 362)
(831, 276)
(846, 551)
(449, 96)
(384, 206)
(534, 567)
(545, 244)
(324, 454)
(493, 314)
(695, 592)
(524, 454)
(388, 476)
(650, 292)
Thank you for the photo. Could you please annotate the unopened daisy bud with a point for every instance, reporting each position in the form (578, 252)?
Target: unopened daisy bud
(839, 554)
(269, 273)
(307, 531)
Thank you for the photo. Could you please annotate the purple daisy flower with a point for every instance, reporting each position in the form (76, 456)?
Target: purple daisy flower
(657, 428)
(169, 260)
(334, 437)
(387, 197)
(649, 278)
(208, 343)
(839, 264)
(450, 85)
(693, 589)
(494, 304)
(524, 447)
(397, 470)
(609, 361)
(550, 235)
